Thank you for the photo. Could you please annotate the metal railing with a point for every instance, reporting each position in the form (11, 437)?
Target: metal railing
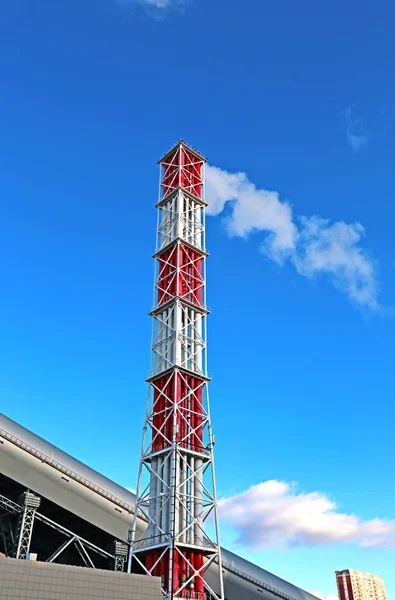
(257, 582)
(193, 595)
(163, 540)
(198, 449)
(66, 471)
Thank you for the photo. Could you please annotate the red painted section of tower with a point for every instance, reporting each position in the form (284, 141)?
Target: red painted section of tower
(182, 167)
(187, 390)
(180, 274)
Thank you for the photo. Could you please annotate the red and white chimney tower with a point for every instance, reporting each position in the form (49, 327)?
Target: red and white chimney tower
(176, 483)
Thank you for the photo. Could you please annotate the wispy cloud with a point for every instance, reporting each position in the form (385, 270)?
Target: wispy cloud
(273, 514)
(356, 134)
(314, 245)
(159, 6)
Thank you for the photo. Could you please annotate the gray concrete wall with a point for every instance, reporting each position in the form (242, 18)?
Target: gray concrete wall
(31, 580)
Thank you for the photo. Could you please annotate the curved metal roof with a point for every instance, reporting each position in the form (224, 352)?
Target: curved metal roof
(30, 442)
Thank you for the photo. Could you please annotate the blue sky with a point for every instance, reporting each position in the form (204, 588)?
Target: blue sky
(294, 104)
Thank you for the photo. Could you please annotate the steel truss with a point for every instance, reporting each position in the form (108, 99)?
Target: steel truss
(24, 530)
(179, 213)
(176, 484)
(7, 534)
(121, 552)
(182, 167)
(178, 329)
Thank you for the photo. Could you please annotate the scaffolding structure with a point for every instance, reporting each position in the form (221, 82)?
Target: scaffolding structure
(176, 484)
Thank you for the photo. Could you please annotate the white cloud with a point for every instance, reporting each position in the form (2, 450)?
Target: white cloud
(252, 209)
(333, 248)
(273, 514)
(314, 245)
(322, 597)
(356, 133)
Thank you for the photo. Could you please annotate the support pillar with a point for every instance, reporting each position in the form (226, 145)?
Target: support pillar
(24, 531)
(121, 551)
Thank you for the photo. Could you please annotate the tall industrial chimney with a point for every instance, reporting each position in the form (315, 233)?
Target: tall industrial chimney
(176, 483)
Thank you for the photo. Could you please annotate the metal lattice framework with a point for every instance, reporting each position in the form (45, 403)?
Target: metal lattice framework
(121, 552)
(176, 484)
(7, 534)
(31, 503)
(22, 537)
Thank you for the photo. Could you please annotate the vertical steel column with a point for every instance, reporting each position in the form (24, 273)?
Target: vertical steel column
(25, 525)
(176, 483)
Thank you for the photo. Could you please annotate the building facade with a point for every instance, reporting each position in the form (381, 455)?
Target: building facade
(356, 585)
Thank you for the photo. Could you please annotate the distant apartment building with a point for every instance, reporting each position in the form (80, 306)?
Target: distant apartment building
(355, 585)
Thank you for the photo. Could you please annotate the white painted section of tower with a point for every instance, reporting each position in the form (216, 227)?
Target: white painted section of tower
(192, 336)
(192, 501)
(198, 501)
(183, 495)
(199, 353)
(165, 496)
